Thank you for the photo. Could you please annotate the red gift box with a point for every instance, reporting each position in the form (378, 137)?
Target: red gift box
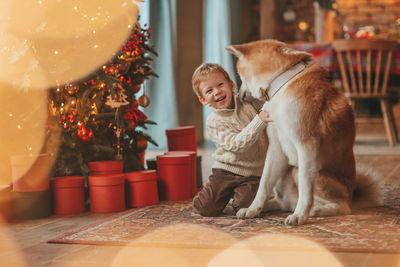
(69, 195)
(142, 188)
(107, 193)
(174, 174)
(182, 138)
(193, 158)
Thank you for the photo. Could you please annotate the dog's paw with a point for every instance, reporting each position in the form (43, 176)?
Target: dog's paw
(241, 213)
(296, 219)
(252, 213)
(247, 213)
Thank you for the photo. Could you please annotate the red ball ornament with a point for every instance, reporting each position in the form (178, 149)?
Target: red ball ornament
(136, 88)
(144, 100)
(71, 118)
(141, 144)
(85, 134)
(131, 125)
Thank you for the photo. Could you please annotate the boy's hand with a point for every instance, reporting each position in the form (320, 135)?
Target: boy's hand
(264, 116)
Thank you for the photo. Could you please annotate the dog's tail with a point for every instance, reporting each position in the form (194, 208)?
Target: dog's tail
(367, 192)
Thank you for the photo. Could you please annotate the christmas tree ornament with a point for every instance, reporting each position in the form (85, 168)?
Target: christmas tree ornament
(131, 125)
(107, 131)
(136, 88)
(72, 88)
(118, 135)
(118, 100)
(128, 81)
(71, 118)
(144, 100)
(123, 67)
(85, 134)
(141, 144)
(134, 114)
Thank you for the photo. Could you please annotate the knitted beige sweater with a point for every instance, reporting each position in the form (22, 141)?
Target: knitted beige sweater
(240, 137)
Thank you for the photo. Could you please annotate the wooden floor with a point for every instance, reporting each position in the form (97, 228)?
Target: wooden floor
(24, 243)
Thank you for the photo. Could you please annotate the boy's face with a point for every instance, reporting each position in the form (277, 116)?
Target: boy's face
(217, 91)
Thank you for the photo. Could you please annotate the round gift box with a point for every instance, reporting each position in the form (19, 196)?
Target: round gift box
(107, 193)
(5, 203)
(174, 175)
(31, 205)
(193, 157)
(69, 195)
(142, 188)
(182, 138)
(105, 167)
(28, 176)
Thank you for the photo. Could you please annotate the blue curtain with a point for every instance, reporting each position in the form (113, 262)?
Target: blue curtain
(161, 16)
(217, 35)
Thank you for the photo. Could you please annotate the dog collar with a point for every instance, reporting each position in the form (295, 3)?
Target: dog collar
(281, 80)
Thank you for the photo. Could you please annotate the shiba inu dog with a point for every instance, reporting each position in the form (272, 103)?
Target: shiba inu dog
(310, 166)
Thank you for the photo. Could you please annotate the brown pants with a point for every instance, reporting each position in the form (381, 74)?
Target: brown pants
(220, 188)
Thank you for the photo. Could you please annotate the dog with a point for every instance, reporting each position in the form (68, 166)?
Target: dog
(310, 167)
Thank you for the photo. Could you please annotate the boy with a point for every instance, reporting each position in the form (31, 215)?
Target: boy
(240, 137)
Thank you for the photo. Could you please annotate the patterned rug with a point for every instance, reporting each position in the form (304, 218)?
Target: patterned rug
(174, 224)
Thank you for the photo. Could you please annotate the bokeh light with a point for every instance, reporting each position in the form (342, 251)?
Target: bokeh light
(23, 117)
(303, 26)
(176, 245)
(281, 250)
(166, 240)
(44, 44)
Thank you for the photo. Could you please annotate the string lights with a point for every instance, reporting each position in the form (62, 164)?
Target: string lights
(101, 112)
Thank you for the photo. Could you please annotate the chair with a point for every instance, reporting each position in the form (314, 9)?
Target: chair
(365, 69)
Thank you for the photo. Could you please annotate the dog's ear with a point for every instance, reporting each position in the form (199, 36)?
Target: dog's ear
(295, 54)
(237, 50)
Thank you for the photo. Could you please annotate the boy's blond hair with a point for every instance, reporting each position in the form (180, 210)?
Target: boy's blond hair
(201, 73)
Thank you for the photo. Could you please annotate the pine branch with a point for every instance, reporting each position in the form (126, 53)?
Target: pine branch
(150, 122)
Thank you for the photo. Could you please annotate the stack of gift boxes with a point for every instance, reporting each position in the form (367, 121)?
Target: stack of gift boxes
(171, 176)
(174, 175)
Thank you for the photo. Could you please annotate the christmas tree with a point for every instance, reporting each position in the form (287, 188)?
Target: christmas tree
(98, 118)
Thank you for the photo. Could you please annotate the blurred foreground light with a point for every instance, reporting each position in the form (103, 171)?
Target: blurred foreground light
(173, 246)
(196, 245)
(24, 132)
(42, 42)
(275, 250)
